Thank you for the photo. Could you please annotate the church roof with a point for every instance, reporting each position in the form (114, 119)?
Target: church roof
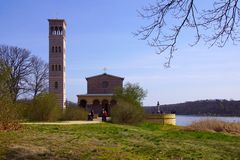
(104, 74)
(94, 95)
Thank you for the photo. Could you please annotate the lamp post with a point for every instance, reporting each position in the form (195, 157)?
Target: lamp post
(158, 107)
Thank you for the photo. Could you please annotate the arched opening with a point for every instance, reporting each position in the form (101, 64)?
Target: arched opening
(51, 30)
(59, 49)
(83, 103)
(56, 30)
(52, 67)
(56, 49)
(96, 102)
(60, 30)
(96, 106)
(56, 68)
(56, 85)
(105, 105)
(52, 48)
(59, 67)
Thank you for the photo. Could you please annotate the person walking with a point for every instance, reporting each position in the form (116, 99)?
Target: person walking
(92, 114)
(104, 115)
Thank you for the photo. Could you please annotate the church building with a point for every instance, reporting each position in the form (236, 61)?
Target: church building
(100, 89)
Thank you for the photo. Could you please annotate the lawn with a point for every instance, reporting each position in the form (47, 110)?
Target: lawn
(110, 141)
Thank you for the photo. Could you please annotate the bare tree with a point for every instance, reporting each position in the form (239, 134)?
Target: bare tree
(38, 81)
(4, 77)
(18, 61)
(216, 24)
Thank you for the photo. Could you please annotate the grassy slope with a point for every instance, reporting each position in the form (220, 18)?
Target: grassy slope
(109, 141)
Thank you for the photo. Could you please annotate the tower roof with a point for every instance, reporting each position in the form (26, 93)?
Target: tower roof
(57, 20)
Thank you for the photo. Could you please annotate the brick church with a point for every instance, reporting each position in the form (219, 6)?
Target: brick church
(100, 89)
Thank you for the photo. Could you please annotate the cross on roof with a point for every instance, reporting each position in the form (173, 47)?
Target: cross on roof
(105, 69)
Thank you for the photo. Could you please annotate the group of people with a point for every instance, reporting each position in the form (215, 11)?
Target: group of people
(104, 115)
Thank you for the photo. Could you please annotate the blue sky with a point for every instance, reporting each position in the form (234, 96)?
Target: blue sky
(99, 34)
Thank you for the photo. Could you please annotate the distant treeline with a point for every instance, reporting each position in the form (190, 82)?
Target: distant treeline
(202, 107)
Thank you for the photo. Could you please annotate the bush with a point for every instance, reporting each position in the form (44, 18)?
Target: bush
(44, 108)
(127, 113)
(214, 125)
(129, 100)
(131, 92)
(8, 115)
(75, 113)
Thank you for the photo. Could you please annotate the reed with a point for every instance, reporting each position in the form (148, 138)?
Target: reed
(214, 125)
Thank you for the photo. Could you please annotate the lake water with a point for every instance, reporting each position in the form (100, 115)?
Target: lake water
(186, 120)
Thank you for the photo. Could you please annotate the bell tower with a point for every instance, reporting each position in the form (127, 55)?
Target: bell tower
(57, 59)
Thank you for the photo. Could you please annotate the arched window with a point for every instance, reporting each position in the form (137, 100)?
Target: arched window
(83, 103)
(60, 29)
(56, 49)
(56, 68)
(96, 102)
(59, 67)
(51, 30)
(56, 30)
(56, 85)
(105, 105)
(59, 49)
(52, 67)
(52, 48)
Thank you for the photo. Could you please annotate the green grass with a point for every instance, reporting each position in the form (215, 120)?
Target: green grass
(110, 141)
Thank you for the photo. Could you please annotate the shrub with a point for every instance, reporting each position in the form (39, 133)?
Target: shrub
(44, 108)
(8, 115)
(131, 92)
(129, 100)
(214, 125)
(75, 113)
(127, 113)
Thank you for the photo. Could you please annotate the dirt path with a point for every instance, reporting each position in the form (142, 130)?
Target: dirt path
(67, 122)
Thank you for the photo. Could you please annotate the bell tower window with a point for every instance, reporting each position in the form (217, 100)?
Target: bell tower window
(52, 67)
(60, 30)
(59, 67)
(51, 30)
(56, 85)
(56, 30)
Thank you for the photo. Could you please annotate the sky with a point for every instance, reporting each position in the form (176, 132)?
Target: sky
(100, 35)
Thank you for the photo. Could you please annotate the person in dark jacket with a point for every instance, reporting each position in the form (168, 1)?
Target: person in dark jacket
(92, 114)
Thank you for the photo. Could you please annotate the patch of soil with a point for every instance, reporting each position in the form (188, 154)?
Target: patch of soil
(10, 126)
(29, 152)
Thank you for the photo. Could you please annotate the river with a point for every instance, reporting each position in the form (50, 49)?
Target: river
(184, 120)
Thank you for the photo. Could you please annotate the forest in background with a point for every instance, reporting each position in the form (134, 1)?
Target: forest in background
(202, 107)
